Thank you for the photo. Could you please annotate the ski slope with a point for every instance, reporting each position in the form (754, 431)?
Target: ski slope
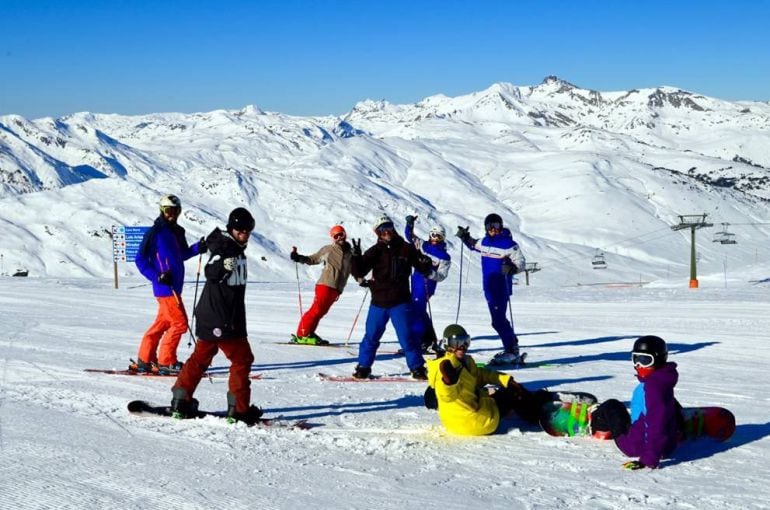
(68, 442)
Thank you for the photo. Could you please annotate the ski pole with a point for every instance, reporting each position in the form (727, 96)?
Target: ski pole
(460, 291)
(195, 298)
(355, 319)
(176, 296)
(299, 292)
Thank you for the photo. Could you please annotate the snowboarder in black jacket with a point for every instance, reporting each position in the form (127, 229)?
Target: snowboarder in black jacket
(221, 323)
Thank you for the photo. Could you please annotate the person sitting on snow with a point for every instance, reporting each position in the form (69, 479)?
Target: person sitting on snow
(459, 389)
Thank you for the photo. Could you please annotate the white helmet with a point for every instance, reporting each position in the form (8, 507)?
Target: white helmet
(170, 201)
(383, 221)
(437, 231)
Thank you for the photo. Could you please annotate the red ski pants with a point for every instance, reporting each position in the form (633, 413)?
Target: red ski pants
(237, 351)
(325, 297)
(169, 326)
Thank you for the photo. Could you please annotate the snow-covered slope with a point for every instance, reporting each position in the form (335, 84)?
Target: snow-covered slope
(571, 171)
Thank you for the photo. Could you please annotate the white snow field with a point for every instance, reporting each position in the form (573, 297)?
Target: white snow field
(68, 442)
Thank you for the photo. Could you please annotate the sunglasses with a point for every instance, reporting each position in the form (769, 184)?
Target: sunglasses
(339, 235)
(496, 226)
(641, 359)
(437, 236)
(385, 230)
(170, 209)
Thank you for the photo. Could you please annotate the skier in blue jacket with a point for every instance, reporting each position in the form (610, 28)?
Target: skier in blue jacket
(501, 258)
(161, 259)
(424, 286)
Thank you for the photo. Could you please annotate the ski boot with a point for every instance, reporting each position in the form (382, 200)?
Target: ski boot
(172, 369)
(250, 417)
(143, 367)
(183, 407)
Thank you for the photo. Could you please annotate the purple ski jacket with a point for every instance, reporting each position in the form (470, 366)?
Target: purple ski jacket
(654, 417)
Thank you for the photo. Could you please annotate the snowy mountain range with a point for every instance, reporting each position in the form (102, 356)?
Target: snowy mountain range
(575, 173)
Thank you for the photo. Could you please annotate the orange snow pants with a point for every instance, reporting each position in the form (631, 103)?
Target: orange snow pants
(237, 351)
(169, 326)
(325, 297)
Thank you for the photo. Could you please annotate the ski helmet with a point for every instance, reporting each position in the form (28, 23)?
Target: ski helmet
(167, 201)
(240, 219)
(438, 232)
(649, 351)
(455, 336)
(336, 230)
(493, 220)
(382, 222)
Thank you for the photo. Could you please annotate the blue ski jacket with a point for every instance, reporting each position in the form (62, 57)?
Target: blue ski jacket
(164, 248)
(495, 251)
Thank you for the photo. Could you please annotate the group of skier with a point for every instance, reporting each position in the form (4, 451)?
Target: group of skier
(402, 274)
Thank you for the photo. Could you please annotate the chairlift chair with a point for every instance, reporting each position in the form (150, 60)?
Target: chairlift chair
(598, 261)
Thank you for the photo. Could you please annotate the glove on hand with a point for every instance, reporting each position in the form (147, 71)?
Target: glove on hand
(634, 465)
(410, 221)
(165, 278)
(463, 233)
(296, 257)
(202, 246)
(356, 247)
(449, 374)
(230, 263)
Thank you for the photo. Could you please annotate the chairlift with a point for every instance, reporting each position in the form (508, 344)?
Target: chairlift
(725, 236)
(598, 261)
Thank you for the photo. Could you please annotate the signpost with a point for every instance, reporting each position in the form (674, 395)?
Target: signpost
(125, 245)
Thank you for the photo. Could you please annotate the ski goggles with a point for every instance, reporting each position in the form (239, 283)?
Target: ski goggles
(175, 209)
(339, 235)
(458, 341)
(496, 225)
(385, 228)
(642, 359)
(437, 236)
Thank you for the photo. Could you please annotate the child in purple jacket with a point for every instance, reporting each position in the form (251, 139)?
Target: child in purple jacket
(650, 432)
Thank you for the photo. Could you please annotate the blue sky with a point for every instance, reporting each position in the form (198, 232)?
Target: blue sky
(316, 58)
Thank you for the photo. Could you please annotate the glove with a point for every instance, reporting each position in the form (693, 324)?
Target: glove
(364, 283)
(509, 268)
(294, 255)
(463, 233)
(430, 399)
(424, 265)
(202, 246)
(410, 221)
(449, 374)
(356, 247)
(230, 263)
(634, 465)
(165, 278)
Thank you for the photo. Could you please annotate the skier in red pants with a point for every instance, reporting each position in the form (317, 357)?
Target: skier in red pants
(336, 258)
(221, 324)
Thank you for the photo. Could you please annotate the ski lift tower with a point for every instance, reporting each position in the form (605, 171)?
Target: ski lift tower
(530, 267)
(693, 222)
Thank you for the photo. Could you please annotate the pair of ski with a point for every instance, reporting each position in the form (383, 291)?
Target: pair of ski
(214, 372)
(145, 409)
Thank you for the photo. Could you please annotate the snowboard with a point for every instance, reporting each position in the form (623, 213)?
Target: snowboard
(371, 378)
(574, 420)
(145, 409)
(114, 371)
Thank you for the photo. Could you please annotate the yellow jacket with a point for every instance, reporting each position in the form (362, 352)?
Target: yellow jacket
(465, 408)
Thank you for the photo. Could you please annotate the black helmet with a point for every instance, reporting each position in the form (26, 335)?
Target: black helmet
(240, 219)
(649, 345)
(455, 336)
(491, 219)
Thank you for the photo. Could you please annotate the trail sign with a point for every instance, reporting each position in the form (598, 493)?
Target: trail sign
(125, 245)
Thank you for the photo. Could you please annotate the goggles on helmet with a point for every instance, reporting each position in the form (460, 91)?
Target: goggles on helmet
(642, 359)
(458, 341)
(495, 225)
(166, 209)
(436, 235)
(385, 228)
(339, 235)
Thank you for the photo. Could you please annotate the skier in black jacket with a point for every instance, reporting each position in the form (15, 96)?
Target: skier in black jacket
(391, 261)
(221, 323)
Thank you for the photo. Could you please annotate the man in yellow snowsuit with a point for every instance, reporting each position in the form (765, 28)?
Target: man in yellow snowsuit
(465, 407)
